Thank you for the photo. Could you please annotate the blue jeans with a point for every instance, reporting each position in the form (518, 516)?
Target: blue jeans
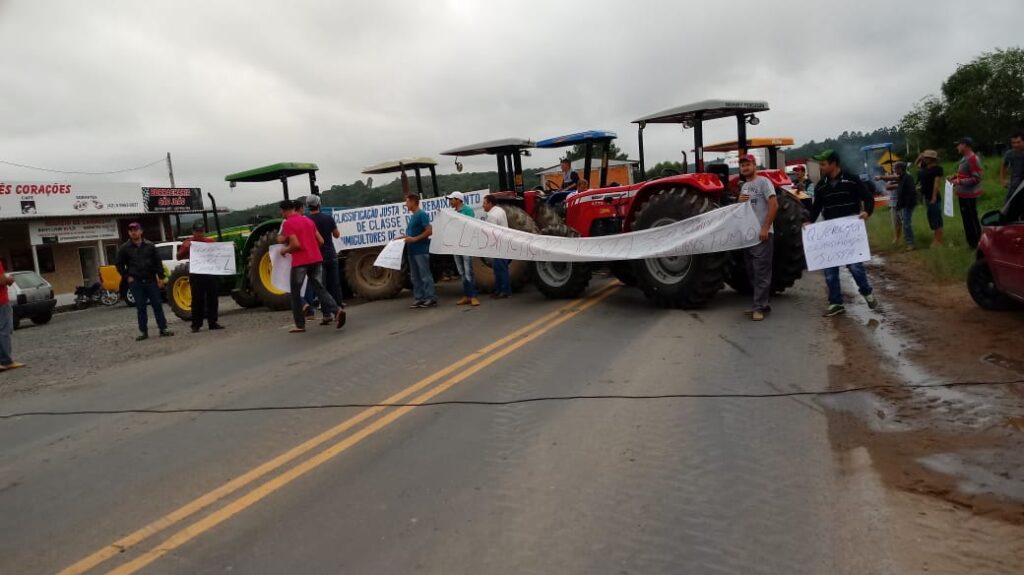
(332, 283)
(313, 274)
(422, 279)
(908, 225)
(502, 279)
(465, 267)
(146, 291)
(835, 291)
(6, 329)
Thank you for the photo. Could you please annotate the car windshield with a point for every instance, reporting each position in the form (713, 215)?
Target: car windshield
(165, 252)
(28, 280)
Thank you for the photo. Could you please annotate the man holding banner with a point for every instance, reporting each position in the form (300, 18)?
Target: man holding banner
(760, 193)
(205, 288)
(464, 263)
(840, 195)
(302, 241)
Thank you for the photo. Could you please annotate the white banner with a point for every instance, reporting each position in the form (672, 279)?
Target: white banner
(947, 200)
(377, 225)
(281, 270)
(725, 229)
(835, 243)
(63, 230)
(30, 199)
(212, 258)
(391, 256)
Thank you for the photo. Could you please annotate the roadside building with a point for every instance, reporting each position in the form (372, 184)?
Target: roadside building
(66, 230)
(619, 172)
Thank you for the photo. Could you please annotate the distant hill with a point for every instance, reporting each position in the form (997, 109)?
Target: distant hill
(357, 194)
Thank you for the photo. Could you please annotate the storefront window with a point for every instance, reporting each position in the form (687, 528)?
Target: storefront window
(45, 255)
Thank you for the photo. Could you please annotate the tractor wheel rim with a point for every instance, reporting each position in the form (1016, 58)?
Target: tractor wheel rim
(372, 275)
(266, 273)
(182, 294)
(555, 274)
(668, 270)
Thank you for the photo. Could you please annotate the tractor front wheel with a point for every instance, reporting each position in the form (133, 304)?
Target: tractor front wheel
(561, 280)
(260, 270)
(368, 281)
(682, 281)
(179, 293)
(245, 298)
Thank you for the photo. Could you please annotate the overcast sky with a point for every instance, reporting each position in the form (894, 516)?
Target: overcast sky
(226, 86)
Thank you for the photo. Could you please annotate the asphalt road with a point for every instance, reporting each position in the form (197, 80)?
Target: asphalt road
(576, 486)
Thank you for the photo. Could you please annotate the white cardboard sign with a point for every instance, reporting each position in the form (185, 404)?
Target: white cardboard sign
(391, 256)
(835, 243)
(212, 258)
(947, 200)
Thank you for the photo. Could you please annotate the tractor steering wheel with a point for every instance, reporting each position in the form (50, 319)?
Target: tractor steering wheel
(551, 186)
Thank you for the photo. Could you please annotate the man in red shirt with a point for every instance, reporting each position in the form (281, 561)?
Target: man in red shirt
(302, 242)
(6, 323)
(968, 189)
(204, 287)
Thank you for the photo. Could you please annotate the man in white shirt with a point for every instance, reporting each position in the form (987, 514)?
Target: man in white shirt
(502, 280)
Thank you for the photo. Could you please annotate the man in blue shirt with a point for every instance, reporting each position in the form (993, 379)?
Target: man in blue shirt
(328, 229)
(417, 239)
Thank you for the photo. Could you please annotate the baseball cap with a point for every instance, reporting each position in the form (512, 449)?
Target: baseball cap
(748, 158)
(312, 201)
(135, 226)
(966, 140)
(457, 196)
(826, 156)
(799, 168)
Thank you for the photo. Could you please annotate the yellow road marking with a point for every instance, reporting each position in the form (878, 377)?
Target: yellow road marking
(195, 506)
(245, 501)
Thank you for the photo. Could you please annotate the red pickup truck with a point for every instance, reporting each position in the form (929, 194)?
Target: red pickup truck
(996, 279)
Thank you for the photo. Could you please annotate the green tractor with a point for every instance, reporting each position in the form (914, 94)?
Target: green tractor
(251, 286)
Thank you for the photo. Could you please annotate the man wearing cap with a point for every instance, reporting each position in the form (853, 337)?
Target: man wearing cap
(205, 288)
(799, 179)
(302, 242)
(140, 264)
(840, 195)
(464, 263)
(760, 193)
(968, 189)
(928, 178)
(328, 230)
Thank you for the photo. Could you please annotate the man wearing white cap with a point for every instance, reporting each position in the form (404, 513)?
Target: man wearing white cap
(464, 263)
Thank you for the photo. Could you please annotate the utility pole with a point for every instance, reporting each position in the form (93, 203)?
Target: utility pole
(170, 169)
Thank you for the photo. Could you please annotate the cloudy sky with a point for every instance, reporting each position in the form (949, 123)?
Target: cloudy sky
(226, 86)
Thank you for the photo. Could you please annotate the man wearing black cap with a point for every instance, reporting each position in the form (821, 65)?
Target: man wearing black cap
(205, 287)
(840, 195)
(140, 264)
(968, 189)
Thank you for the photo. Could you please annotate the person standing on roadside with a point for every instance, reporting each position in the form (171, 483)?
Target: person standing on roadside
(464, 263)
(1011, 173)
(302, 241)
(502, 279)
(840, 195)
(906, 201)
(140, 264)
(968, 189)
(417, 239)
(6, 323)
(328, 230)
(205, 288)
(895, 213)
(928, 178)
(760, 193)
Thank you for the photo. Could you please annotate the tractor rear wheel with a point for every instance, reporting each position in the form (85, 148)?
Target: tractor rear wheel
(561, 280)
(683, 281)
(519, 270)
(179, 293)
(245, 298)
(260, 275)
(368, 281)
(623, 271)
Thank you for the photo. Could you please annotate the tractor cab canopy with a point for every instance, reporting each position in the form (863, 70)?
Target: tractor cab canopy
(774, 157)
(694, 115)
(588, 139)
(281, 172)
(414, 164)
(509, 152)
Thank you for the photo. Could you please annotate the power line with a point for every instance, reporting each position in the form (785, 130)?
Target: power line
(492, 403)
(52, 171)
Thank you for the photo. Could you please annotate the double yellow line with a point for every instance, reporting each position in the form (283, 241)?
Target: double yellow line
(441, 381)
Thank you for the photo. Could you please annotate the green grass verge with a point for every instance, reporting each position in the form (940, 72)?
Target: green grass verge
(948, 263)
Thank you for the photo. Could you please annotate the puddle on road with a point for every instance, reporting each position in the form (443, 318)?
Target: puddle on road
(987, 471)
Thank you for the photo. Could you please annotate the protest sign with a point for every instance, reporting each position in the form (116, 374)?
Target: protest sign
(834, 243)
(391, 256)
(377, 225)
(725, 229)
(214, 258)
(280, 268)
(947, 200)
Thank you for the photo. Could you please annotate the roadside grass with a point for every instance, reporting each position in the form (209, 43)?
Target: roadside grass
(948, 263)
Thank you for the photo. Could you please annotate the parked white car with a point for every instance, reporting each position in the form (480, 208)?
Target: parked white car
(31, 297)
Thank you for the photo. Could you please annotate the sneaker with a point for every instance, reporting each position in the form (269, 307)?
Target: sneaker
(418, 304)
(339, 319)
(835, 309)
(142, 336)
(327, 321)
(308, 311)
(463, 301)
(166, 333)
(216, 326)
(757, 315)
(12, 365)
(872, 300)
(474, 302)
(431, 303)
(196, 329)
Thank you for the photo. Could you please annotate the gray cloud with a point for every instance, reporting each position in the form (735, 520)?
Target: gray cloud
(226, 86)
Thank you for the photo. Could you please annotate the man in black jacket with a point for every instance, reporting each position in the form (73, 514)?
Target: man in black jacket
(140, 265)
(839, 195)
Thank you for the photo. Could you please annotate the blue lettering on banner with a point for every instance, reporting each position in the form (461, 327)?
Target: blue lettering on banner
(377, 225)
